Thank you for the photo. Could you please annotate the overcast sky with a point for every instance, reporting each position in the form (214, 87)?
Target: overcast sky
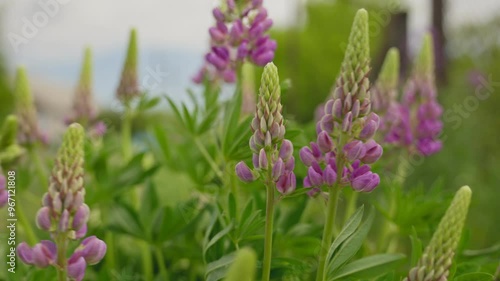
(66, 26)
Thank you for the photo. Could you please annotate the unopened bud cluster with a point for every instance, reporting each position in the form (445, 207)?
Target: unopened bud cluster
(239, 35)
(272, 154)
(84, 110)
(128, 88)
(28, 132)
(64, 214)
(347, 126)
(437, 259)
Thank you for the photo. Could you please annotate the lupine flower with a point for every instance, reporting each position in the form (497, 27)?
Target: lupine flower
(271, 152)
(84, 109)
(344, 143)
(64, 214)
(28, 132)
(239, 35)
(437, 258)
(129, 82)
(418, 116)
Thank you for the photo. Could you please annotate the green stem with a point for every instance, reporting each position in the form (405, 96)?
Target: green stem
(161, 264)
(268, 238)
(62, 270)
(351, 205)
(328, 231)
(30, 235)
(209, 158)
(110, 253)
(127, 134)
(147, 260)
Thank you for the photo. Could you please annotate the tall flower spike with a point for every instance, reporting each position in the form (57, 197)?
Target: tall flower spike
(347, 126)
(270, 150)
(64, 214)
(437, 259)
(29, 131)
(385, 89)
(129, 83)
(272, 154)
(84, 110)
(418, 117)
(238, 36)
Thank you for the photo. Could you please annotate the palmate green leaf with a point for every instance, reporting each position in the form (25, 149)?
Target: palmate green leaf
(478, 276)
(189, 120)
(125, 220)
(149, 203)
(232, 115)
(369, 267)
(217, 237)
(351, 245)
(163, 142)
(348, 229)
(208, 121)
(176, 110)
(222, 263)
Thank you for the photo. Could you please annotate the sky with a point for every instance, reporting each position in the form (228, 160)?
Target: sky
(48, 36)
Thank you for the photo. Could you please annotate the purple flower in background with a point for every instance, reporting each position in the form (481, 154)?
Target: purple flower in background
(416, 121)
(238, 35)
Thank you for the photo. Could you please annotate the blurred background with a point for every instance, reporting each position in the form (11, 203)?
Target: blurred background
(48, 37)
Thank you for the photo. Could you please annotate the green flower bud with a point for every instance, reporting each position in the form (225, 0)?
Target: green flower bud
(424, 64)
(67, 175)
(25, 109)
(129, 83)
(385, 90)
(437, 258)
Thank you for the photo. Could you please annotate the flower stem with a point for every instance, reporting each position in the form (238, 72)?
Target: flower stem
(268, 238)
(209, 158)
(110, 253)
(334, 192)
(62, 270)
(127, 134)
(328, 231)
(161, 264)
(147, 260)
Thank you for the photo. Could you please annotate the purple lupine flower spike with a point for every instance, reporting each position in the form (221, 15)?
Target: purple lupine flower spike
(238, 36)
(64, 214)
(417, 124)
(347, 125)
(270, 150)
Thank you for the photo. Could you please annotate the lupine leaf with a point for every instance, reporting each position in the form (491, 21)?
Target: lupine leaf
(369, 267)
(479, 276)
(348, 229)
(351, 245)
